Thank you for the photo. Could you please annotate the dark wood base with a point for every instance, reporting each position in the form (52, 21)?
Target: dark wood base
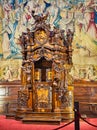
(28, 116)
(41, 120)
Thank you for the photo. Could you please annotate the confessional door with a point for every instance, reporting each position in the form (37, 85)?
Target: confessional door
(42, 86)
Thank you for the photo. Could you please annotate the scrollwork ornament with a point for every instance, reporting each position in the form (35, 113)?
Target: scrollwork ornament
(58, 67)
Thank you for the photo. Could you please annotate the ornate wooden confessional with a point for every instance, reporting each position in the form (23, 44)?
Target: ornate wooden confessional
(47, 93)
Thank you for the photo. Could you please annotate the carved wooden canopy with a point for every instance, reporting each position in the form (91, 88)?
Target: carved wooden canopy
(41, 41)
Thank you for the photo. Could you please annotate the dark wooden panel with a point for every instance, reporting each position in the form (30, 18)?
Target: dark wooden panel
(13, 91)
(8, 96)
(85, 93)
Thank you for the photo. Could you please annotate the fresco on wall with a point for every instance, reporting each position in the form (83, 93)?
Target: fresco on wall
(78, 15)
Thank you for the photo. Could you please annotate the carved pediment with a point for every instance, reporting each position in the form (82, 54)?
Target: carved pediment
(44, 42)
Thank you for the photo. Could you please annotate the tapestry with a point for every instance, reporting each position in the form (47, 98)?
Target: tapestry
(80, 16)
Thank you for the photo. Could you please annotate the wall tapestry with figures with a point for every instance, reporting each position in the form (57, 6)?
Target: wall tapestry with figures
(80, 16)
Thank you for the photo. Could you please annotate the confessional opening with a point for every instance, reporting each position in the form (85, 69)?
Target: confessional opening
(43, 70)
(42, 87)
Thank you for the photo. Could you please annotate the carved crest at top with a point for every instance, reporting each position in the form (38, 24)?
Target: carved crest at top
(43, 41)
(41, 36)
